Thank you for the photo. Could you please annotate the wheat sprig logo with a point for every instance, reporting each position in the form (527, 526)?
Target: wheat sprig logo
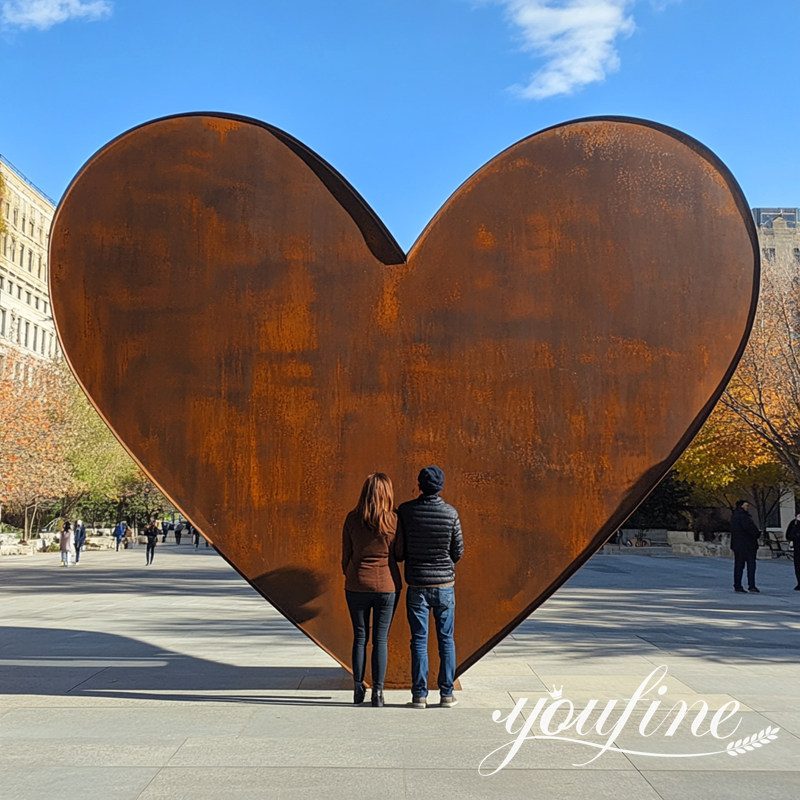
(742, 746)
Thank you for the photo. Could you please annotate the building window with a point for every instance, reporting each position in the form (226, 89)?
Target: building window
(35, 338)
(19, 292)
(27, 333)
(16, 215)
(22, 255)
(769, 254)
(2, 322)
(28, 298)
(39, 271)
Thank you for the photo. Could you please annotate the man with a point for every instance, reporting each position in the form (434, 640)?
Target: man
(429, 540)
(744, 543)
(80, 539)
(793, 536)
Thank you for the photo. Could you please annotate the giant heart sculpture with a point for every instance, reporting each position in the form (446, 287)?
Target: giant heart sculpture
(259, 343)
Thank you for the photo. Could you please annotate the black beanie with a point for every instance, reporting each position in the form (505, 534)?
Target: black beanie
(431, 480)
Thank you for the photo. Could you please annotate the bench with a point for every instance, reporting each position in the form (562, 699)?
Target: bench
(779, 547)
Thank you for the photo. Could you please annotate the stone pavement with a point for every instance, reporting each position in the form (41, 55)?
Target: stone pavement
(177, 681)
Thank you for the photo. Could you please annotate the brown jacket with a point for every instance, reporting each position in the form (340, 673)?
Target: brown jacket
(368, 560)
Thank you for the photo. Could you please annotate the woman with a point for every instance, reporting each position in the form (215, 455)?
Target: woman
(372, 579)
(66, 544)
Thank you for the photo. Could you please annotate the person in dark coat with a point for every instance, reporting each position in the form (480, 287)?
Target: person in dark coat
(79, 537)
(744, 543)
(793, 536)
(430, 542)
(151, 532)
(372, 580)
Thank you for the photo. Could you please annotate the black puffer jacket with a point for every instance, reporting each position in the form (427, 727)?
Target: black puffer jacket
(429, 540)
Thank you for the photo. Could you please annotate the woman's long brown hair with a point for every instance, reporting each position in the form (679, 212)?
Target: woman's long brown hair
(376, 505)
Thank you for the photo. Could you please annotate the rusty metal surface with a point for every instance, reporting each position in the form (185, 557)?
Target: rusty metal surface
(256, 339)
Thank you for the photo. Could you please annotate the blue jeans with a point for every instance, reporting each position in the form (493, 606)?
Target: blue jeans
(381, 605)
(419, 604)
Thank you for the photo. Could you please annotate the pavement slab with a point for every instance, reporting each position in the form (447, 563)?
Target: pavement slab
(123, 681)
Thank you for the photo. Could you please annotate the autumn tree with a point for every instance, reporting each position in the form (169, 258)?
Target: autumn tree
(56, 453)
(764, 393)
(34, 436)
(728, 461)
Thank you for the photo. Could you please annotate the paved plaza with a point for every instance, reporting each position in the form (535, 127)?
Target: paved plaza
(175, 681)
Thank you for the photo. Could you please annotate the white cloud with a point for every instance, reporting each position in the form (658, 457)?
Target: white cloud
(43, 14)
(575, 37)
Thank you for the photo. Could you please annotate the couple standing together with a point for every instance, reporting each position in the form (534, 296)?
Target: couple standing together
(425, 533)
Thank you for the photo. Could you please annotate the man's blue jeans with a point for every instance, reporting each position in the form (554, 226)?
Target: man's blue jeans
(419, 605)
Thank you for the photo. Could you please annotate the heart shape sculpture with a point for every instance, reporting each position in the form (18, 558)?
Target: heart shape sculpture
(259, 343)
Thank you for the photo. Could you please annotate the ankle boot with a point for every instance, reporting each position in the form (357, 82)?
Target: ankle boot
(377, 698)
(359, 693)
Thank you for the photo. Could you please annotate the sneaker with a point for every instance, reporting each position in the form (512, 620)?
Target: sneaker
(448, 701)
(754, 590)
(739, 589)
(419, 702)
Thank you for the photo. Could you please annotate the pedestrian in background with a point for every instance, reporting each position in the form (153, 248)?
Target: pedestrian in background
(66, 544)
(79, 537)
(744, 543)
(151, 532)
(119, 533)
(793, 536)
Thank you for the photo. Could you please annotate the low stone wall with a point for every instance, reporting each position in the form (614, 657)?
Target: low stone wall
(10, 546)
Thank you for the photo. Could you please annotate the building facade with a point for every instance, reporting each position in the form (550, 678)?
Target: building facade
(27, 332)
(778, 234)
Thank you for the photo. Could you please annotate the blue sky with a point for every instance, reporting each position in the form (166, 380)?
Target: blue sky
(406, 98)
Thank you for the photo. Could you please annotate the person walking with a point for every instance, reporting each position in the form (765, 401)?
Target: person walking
(119, 533)
(372, 580)
(79, 536)
(793, 536)
(66, 543)
(744, 543)
(431, 543)
(151, 532)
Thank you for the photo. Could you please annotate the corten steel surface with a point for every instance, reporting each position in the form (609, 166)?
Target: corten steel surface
(258, 341)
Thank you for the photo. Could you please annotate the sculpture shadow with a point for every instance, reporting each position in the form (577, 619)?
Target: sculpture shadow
(48, 661)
